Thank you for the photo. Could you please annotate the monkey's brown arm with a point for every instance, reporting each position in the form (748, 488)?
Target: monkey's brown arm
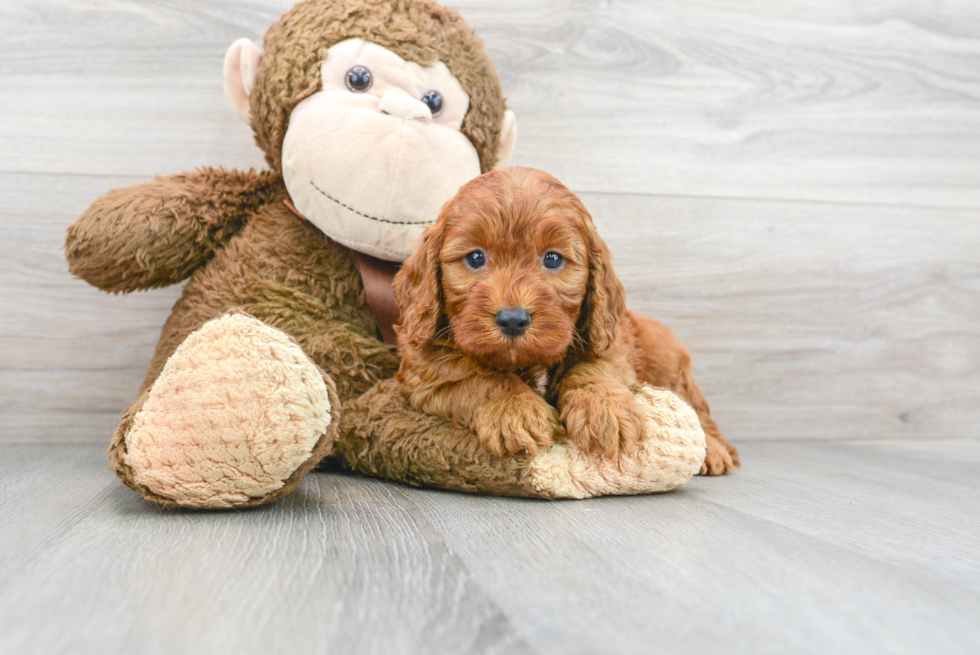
(157, 233)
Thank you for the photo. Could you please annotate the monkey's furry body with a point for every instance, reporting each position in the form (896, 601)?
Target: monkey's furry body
(270, 360)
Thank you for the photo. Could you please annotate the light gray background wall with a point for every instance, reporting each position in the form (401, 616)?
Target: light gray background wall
(793, 186)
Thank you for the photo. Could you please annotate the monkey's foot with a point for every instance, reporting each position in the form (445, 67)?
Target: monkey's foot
(237, 417)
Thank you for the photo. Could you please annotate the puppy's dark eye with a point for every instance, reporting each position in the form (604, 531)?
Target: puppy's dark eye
(433, 100)
(359, 79)
(552, 260)
(476, 260)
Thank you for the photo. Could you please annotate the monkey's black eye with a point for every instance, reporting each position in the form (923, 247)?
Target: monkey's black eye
(476, 260)
(433, 99)
(552, 260)
(359, 79)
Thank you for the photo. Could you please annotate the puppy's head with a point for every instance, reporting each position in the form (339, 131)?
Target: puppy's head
(513, 273)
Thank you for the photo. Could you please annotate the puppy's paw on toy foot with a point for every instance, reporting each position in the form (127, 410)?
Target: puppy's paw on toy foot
(522, 424)
(237, 416)
(604, 420)
(669, 452)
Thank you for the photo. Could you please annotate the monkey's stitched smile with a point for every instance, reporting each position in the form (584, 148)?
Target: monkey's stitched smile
(359, 213)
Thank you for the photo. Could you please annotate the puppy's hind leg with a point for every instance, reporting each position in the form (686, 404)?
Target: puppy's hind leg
(665, 362)
(721, 457)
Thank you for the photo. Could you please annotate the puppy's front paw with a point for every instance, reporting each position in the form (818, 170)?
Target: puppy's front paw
(602, 419)
(522, 422)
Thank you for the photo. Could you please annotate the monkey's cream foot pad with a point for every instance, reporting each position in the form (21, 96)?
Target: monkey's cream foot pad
(235, 414)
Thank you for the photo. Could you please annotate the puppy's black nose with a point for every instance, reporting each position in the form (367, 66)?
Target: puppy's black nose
(513, 321)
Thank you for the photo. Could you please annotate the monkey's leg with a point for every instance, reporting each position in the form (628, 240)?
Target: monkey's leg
(236, 417)
(383, 436)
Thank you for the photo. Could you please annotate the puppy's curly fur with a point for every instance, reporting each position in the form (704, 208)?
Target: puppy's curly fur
(518, 240)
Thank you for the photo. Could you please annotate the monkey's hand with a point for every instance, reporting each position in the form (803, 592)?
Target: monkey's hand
(157, 233)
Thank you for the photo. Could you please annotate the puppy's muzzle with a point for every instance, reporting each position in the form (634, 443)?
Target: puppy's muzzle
(513, 321)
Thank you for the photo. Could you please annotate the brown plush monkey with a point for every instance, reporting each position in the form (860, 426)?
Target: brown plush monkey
(371, 114)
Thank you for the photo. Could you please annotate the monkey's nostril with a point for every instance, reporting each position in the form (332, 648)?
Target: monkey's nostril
(513, 321)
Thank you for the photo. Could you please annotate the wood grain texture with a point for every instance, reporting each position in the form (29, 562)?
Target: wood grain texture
(806, 320)
(812, 320)
(793, 188)
(848, 548)
(334, 568)
(866, 102)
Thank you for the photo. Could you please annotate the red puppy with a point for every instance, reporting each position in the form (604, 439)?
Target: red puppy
(510, 308)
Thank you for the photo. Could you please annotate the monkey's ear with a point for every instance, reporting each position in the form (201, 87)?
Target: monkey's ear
(508, 139)
(241, 63)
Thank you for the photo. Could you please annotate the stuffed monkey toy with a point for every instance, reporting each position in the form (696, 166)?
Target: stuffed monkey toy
(371, 114)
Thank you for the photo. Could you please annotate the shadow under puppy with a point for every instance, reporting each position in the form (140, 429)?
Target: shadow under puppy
(514, 324)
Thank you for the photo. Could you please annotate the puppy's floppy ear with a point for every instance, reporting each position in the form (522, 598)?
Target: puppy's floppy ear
(418, 291)
(605, 299)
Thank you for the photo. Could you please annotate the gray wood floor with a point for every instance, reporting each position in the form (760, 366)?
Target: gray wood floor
(863, 547)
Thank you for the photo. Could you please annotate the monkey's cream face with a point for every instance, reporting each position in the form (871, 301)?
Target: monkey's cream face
(371, 158)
